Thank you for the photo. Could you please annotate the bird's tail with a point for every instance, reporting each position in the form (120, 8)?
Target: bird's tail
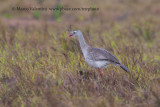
(124, 68)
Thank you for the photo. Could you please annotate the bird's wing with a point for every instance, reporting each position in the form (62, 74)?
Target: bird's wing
(98, 54)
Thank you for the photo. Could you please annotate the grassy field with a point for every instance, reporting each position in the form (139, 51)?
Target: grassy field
(40, 66)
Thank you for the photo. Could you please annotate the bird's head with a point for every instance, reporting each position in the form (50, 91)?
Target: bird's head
(75, 33)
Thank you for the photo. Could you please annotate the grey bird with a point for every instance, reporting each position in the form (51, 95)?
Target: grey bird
(96, 57)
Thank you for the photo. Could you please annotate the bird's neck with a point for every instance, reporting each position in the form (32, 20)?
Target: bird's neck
(82, 42)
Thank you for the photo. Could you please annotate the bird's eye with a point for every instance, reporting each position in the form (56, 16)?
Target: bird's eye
(74, 32)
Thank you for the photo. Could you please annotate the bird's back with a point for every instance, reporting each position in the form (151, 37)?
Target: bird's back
(99, 54)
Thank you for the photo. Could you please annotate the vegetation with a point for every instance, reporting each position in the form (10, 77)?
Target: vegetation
(40, 66)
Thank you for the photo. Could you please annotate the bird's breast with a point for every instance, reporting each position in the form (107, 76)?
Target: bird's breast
(97, 64)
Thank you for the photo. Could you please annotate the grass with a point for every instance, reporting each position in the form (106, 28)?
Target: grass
(41, 67)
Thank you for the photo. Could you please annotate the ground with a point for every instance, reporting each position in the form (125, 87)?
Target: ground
(40, 66)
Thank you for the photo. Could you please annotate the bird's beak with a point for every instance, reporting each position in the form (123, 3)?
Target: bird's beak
(70, 35)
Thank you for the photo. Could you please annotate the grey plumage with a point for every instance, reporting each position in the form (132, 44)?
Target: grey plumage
(124, 68)
(98, 54)
(96, 57)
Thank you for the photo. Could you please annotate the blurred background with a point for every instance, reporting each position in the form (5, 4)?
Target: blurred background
(109, 13)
